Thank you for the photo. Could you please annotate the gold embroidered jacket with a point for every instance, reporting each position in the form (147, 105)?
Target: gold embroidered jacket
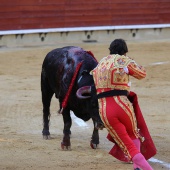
(113, 72)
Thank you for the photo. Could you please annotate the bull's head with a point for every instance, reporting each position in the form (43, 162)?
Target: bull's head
(89, 93)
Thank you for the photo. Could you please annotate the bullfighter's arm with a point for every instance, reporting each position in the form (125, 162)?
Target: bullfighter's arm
(136, 70)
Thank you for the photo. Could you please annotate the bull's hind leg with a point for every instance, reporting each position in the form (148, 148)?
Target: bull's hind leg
(47, 94)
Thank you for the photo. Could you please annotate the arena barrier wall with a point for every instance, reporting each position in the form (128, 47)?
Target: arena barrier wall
(40, 37)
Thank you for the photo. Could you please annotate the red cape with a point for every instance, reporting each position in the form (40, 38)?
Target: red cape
(148, 148)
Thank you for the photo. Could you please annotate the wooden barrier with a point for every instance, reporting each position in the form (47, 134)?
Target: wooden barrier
(41, 14)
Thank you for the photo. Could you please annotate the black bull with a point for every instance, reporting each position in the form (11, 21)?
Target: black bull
(65, 72)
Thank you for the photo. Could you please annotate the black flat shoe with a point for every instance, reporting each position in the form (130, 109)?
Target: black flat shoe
(136, 169)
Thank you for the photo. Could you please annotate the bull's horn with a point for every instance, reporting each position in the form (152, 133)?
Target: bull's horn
(83, 90)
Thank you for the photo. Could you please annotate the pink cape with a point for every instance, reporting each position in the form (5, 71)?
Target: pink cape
(148, 148)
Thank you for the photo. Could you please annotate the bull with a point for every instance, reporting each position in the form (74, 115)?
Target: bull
(65, 73)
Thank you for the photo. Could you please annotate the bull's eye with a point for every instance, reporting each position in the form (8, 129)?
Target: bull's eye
(84, 72)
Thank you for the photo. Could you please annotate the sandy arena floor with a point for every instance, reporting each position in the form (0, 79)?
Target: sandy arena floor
(21, 143)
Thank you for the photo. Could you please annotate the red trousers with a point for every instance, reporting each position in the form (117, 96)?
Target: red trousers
(122, 118)
(119, 118)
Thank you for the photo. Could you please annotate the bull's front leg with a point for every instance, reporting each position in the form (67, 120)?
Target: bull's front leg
(66, 144)
(95, 137)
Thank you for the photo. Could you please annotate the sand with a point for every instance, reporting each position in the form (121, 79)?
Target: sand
(21, 144)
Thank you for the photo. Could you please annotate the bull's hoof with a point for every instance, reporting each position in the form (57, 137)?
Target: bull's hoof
(46, 134)
(65, 148)
(93, 145)
(46, 137)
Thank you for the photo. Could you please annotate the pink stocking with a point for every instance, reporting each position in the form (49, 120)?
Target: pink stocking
(137, 144)
(141, 162)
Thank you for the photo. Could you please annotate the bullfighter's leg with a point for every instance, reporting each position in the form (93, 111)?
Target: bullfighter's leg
(65, 144)
(47, 94)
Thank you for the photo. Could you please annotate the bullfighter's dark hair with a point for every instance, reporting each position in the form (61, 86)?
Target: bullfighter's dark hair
(118, 46)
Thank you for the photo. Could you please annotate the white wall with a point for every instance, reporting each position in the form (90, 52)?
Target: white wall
(86, 34)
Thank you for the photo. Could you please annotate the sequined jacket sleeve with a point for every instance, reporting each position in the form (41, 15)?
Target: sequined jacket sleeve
(136, 70)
